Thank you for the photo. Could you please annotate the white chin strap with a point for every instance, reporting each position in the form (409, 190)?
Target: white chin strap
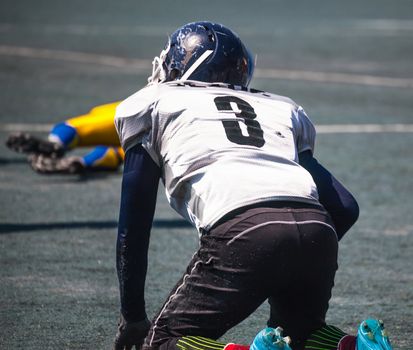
(196, 64)
(158, 74)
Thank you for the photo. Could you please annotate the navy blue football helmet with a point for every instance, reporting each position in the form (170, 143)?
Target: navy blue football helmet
(204, 51)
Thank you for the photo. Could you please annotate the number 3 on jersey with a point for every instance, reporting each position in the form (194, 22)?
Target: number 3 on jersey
(232, 128)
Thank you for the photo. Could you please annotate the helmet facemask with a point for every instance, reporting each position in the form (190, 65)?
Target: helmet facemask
(158, 70)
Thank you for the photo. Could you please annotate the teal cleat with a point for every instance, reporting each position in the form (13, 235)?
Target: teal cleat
(371, 335)
(271, 339)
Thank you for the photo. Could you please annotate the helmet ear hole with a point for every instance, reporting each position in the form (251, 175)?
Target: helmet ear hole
(174, 74)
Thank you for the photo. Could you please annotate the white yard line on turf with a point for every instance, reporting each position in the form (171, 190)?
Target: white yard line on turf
(362, 128)
(262, 73)
(331, 77)
(78, 57)
(23, 127)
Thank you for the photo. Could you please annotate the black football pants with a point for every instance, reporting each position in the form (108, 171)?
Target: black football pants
(287, 255)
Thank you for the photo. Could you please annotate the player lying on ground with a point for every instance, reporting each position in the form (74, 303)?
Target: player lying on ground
(238, 164)
(95, 128)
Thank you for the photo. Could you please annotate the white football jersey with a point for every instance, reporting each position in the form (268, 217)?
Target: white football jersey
(220, 148)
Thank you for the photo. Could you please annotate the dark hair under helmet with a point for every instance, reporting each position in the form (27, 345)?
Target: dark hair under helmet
(207, 52)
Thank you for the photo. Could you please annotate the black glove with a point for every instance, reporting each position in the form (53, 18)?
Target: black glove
(130, 334)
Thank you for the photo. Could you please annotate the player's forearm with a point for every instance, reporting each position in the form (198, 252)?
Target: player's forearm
(337, 200)
(138, 198)
(131, 264)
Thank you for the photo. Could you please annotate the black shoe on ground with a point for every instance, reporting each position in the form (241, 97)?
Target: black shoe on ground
(52, 165)
(26, 143)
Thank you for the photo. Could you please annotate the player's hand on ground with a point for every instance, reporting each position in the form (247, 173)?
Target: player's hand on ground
(129, 335)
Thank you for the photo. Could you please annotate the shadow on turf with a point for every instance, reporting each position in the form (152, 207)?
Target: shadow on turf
(7, 161)
(59, 178)
(30, 227)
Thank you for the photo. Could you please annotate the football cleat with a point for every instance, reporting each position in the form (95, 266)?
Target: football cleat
(52, 165)
(26, 143)
(271, 339)
(371, 335)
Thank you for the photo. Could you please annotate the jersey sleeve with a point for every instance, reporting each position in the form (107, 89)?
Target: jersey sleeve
(305, 131)
(133, 118)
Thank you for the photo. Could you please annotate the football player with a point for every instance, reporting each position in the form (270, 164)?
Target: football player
(95, 128)
(239, 165)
